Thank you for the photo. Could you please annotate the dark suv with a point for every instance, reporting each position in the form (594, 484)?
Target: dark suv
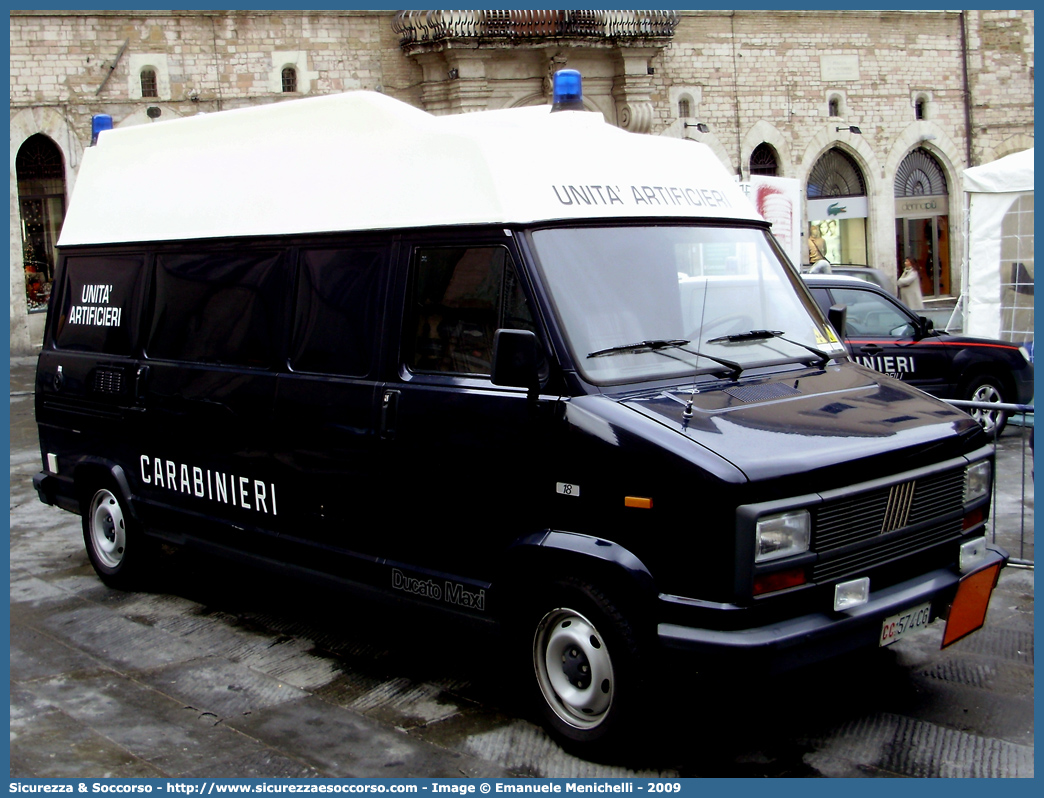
(885, 335)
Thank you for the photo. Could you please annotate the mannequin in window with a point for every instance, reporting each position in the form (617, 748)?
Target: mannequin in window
(816, 245)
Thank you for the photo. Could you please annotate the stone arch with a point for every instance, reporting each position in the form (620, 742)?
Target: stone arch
(949, 156)
(935, 140)
(1010, 145)
(879, 226)
(26, 333)
(765, 132)
(854, 146)
(30, 121)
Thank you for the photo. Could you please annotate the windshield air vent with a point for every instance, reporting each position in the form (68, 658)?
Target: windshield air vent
(762, 393)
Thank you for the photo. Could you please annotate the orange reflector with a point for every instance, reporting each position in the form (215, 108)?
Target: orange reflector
(968, 611)
(780, 580)
(638, 501)
(974, 518)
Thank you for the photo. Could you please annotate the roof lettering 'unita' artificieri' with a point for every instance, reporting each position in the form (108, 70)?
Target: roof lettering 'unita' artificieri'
(364, 161)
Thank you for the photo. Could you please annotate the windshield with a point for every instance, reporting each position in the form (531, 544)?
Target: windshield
(640, 303)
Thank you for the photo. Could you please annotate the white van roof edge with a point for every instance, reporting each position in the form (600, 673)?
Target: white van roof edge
(364, 161)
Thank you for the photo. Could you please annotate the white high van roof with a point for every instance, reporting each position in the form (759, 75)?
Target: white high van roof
(364, 161)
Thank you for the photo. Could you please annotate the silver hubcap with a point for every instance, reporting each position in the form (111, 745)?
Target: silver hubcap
(108, 529)
(573, 668)
(987, 418)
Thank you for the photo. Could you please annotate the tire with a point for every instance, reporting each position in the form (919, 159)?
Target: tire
(985, 388)
(586, 661)
(118, 551)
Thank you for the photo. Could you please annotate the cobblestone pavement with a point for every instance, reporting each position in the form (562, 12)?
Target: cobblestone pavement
(225, 672)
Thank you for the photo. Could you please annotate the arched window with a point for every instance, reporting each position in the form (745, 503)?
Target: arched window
(837, 225)
(921, 108)
(684, 108)
(920, 175)
(835, 105)
(149, 87)
(41, 204)
(922, 224)
(836, 175)
(763, 161)
(289, 80)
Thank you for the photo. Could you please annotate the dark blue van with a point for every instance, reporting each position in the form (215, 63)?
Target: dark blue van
(520, 367)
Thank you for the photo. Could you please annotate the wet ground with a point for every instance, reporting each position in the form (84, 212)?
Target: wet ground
(227, 672)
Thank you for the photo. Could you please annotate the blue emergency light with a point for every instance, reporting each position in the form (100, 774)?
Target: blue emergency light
(568, 91)
(99, 122)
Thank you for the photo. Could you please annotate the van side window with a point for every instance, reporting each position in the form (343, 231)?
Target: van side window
(217, 307)
(337, 310)
(459, 297)
(97, 296)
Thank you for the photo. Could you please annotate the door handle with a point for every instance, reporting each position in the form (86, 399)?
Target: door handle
(141, 377)
(389, 413)
(871, 349)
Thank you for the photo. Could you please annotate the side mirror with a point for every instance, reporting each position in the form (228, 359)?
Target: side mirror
(838, 318)
(925, 326)
(516, 360)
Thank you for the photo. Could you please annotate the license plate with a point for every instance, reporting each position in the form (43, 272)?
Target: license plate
(897, 627)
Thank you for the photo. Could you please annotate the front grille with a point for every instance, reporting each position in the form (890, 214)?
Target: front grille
(853, 534)
(865, 516)
(885, 550)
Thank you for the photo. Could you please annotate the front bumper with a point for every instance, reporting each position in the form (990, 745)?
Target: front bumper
(817, 636)
(1024, 386)
(57, 491)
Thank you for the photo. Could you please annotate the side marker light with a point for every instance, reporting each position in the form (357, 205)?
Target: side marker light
(780, 580)
(638, 502)
(968, 611)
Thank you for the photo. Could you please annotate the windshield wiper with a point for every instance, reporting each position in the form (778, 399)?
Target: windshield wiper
(647, 346)
(735, 369)
(763, 335)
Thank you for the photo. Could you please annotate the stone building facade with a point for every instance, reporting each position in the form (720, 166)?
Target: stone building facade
(882, 110)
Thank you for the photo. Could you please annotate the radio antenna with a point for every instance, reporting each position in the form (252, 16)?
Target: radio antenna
(687, 412)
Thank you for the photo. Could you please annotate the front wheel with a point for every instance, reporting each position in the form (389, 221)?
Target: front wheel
(987, 389)
(115, 547)
(586, 662)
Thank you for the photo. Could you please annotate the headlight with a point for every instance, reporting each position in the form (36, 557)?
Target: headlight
(977, 480)
(782, 535)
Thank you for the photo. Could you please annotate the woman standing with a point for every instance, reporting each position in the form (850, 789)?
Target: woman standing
(909, 283)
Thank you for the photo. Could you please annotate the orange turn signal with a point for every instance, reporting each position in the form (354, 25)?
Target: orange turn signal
(974, 518)
(638, 501)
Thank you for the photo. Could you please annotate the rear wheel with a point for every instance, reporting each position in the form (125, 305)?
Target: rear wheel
(587, 665)
(987, 389)
(118, 551)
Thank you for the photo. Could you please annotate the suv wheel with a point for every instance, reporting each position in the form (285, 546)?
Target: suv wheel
(987, 389)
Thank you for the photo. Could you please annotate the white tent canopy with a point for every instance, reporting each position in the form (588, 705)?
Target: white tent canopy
(998, 267)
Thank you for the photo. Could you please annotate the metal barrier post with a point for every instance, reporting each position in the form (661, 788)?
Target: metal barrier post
(1009, 410)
